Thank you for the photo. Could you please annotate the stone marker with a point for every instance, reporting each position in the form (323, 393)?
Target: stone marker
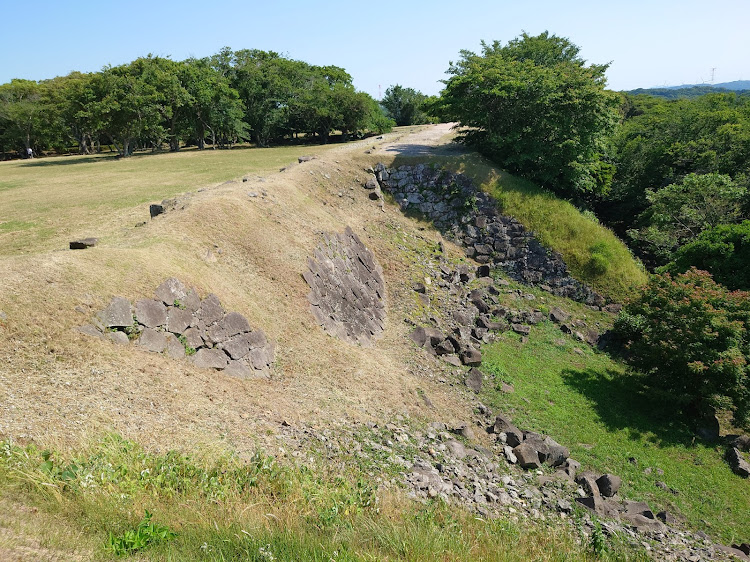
(83, 243)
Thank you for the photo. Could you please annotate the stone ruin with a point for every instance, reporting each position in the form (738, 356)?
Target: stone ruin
(347, 291)
(470, 218)
(179, 323)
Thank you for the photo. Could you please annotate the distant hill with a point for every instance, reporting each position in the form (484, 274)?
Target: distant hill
(694, 90)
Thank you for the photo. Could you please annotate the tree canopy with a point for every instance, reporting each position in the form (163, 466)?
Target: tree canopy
(224, 99)
(536, 108)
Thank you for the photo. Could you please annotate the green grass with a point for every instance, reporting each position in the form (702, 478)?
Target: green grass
(45, 201)
(215, 507)
(592, 252)
(590, 403)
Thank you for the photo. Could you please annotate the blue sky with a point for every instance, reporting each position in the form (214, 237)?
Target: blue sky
(649, 43)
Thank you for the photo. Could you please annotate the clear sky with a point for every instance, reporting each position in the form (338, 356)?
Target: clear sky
(383, 42)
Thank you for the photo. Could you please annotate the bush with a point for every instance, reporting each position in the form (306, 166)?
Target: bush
(723, 251)
(689, 334)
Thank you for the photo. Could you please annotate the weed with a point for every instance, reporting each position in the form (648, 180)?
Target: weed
(188, 349)
(598, 542)
(144, 535)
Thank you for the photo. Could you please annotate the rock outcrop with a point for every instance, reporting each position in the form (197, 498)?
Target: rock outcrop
(347, 290)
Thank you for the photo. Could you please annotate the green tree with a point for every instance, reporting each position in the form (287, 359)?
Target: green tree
(662, 141)
(404, 105)
(538, 110)
(681, 211)
(21, 113)
(723, 251)
(689, 335)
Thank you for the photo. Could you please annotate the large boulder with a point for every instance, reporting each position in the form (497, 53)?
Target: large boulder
(118, 314)
(151, 313)
(737, 462)
(608, 484)
(503, 424)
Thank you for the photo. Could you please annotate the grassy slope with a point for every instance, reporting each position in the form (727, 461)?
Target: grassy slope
(588, 401)
(578, 385)
(558, 224)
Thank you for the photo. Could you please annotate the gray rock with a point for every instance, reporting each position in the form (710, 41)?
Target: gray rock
(471, 357)
(571, 468)
(426, 336)
(643, 523)
(372, 183)
(120, 338)
(90, 330)
(528, 456)
(503, 424)
(609, 484)
(175, 349)
(509, 455)
(302, 159)
(455, 448)
(171, 290)
(239, 369)
(564, 506)
(118, 314)
(237, 346)
(521, 329)
(557, 455)
(474, 379)
(445, 347)
(261, 358)
(741, 442)
(210, 310)
(230, 325)
(257, 339)
(587, 481)
(83, 243)
(210, 359)
(737, 462)
(638, 508)
(558, 316)
(193, 338)
(178, 320)
(151, 313)
(599, 505)
(151, 340)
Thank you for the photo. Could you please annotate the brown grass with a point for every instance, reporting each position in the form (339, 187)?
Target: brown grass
(58, 386)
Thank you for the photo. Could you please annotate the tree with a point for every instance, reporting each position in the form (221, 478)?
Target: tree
(404, 105)
(690, 336)
(538, 110)
(723, 251)
(662, 141)
(681, 211)
(21, 111)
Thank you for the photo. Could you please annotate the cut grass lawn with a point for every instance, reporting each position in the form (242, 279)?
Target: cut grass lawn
(44, 201)
(611, 423)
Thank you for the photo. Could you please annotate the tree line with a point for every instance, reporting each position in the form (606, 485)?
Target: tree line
(230, 97)
(671, 177)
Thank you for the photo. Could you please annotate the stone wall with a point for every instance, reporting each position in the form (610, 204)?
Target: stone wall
(347, 291)
(470, 218)
(178, 323)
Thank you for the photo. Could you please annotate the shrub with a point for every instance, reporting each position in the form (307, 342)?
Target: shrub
(689, 334)
(723, 251)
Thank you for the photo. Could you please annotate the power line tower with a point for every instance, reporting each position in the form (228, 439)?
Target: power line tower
(713, 73)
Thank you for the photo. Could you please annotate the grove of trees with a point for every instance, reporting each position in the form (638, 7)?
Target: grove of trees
(228, 98)
(537, 109)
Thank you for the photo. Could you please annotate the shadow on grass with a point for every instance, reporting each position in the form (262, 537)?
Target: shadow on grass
(624, 402)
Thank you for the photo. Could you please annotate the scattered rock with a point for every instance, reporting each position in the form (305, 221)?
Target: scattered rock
(474, 379)
(609, 484)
